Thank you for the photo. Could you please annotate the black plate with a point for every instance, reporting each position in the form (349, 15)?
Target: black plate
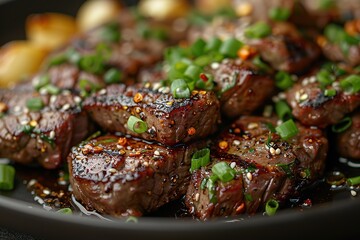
(332, 215)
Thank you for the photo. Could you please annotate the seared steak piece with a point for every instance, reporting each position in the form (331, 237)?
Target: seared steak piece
(283, 49)
(123, 176)
(348, 142)
(265, 167)
(242, 87)
(169, 120)
(312, 106)
(44, 136)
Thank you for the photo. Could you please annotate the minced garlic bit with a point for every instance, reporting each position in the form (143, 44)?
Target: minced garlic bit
(138, 97)
(191, 131)
(223, 145)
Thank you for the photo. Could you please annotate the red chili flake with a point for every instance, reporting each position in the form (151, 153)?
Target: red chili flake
(204, 77)
(191, 131)
(307, 202)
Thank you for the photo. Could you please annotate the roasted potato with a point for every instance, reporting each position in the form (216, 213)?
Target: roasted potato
(95, 12)
(164, 9)
(18, 60)
(50, 30)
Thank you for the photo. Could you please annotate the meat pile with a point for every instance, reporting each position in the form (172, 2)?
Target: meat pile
(108, 105)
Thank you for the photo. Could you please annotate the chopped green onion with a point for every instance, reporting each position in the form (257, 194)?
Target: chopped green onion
(41, 81)
(136, 125)
(35, 104)
(111, 32)
(203, 183)
(112, 75)
(279, 14)
(132, 219)
(180, 89)
(248, 197)
(326, 4)
(351, 84)
(258, 30)
(7, 176)
(200, 159)
(353, 181)
(283, 80)
(192, 72)
(211, 185)
(341, 126)
(230, 47)
(57, 60)
(330, 92)
(271, 207)
(65, 211)
(86, 87)
(325, 78)
(260, 64)
(51, 89)
(337, 35)
(283, 110)
(73, 56)
(198, 47)
(287, 129)
(92, 63)
(223, 171)
(271, 128)
(213, 44)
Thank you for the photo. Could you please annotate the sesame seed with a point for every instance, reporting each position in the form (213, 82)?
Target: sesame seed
(312, 79)
(157, 153)
(236, 142)
(277, 151)
(305, 82)
(66, 107)
(46, 191)
(53, 99)
(17, 109)
(197, 197)
(26, 110)
(33, 123)
(102, 91)
(272, 151)
(77, 99)
(66, 92)
(112, 170)
(282, 95)
(303, 97)
(145, 164)
(24, 122)
(253, 125)
(129, 177)
(215, 65)
(43, 91)
(52, 135)
(233, 164)
(353, 193)
(249, 176)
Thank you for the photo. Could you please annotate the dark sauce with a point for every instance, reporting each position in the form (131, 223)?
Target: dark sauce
(51, 189)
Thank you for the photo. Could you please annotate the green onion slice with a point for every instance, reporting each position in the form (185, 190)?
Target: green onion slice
(35, 104)
(351, 84)
(341, 126)
(230, 47)
(65, 211)
(200, 159)
(41, 81)
(258, 30)
(112, 75)
(180, 89)
(287, 129)
(325, 78)
(283, 80)
(136, 125)
(330, 92)
(198, 47)
(224, 172)
(271, 207)
(7, 176)
(193, 72)
(353, 181)
(213, 44)
(51, 89)
(283, 110)
(279, 14)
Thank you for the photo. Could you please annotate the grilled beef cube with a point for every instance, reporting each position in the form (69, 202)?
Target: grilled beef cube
(286, 49)
(348, 141)
(342, 44)
(242, 87)
(313, 107)
(283, 49)
(169, 120)
(265, 167)
(123, 176)
(43, 136)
